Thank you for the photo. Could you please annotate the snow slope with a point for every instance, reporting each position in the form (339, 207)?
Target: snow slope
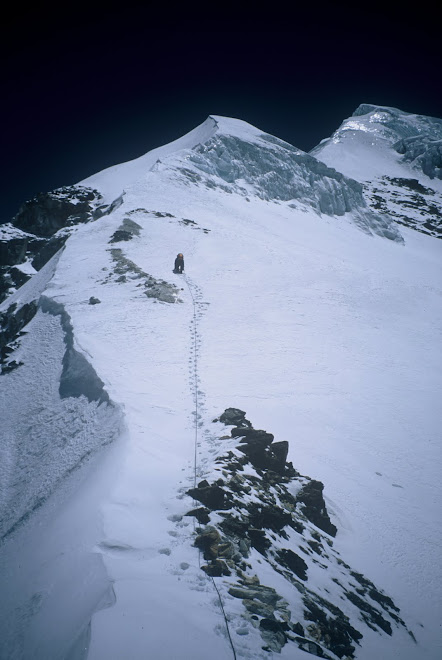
(326, 336)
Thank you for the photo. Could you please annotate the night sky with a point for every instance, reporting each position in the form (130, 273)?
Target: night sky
(87, 89)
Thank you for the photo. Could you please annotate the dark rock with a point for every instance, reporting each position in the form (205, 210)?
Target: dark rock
(340, 634)
(201, 514)
(212, 497)
(46, 213)
(263, 459)
(94, 301)
(18, 277)
(13, 251)
(273, 625)
(208, 541)
(280, 451)
(216, 568)
(261, 609)
(310, 647)
(382, 599)
(293, 562)
(10, 366)
(298, 629)
(253, 436)
(273, 634)
(266, 595)
(259, 540)
(314, 506)
(225, 550)
(374, 616)
(47, 251)
(233, 526)
(239, 485)
(12, 323)
(268, 517)
(121, 235)
(315, 546)
(234, 417)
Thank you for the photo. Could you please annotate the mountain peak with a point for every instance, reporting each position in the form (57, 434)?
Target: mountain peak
(113, 180)
(381, 140)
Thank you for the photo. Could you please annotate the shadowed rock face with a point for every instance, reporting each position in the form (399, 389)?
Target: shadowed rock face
(263, 505)
(42, 226)
(408, 202)
(314, 507)
(46, 213)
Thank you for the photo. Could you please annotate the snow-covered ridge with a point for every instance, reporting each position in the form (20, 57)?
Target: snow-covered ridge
(113, 180)
(118, 177)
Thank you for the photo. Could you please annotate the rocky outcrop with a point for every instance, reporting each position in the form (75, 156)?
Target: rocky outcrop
(46, 213)
(126, 270)
(41, 228)
(259, 506)
(127, 230)
(408, 202)
(314, 509)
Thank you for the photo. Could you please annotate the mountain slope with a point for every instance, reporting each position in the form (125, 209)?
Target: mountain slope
(326, 336)
(398, 157)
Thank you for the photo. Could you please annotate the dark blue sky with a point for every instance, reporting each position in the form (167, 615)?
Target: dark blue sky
(91, 88)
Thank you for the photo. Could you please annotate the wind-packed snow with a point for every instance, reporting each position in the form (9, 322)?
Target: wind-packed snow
(327, 336)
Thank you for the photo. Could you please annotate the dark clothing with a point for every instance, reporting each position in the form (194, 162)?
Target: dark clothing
(179, 265)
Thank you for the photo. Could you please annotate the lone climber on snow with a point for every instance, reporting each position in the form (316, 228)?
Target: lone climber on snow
(179, 263)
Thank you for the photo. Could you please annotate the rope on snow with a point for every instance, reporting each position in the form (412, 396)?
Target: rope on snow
(195, 460)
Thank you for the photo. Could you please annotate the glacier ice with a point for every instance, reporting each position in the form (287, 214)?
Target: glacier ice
(274, 170)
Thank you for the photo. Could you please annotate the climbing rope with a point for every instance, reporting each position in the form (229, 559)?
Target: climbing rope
(195, 460)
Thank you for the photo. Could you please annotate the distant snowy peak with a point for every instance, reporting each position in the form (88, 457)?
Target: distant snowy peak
(379, 140)
(398, 157)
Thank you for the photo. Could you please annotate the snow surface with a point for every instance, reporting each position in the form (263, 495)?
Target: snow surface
(327, 337)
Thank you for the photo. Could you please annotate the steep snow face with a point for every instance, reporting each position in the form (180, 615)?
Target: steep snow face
(380, 141)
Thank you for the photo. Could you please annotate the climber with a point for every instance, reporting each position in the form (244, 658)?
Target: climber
(179, 264)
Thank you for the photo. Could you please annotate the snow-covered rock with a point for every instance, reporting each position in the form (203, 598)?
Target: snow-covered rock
(398, 157)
